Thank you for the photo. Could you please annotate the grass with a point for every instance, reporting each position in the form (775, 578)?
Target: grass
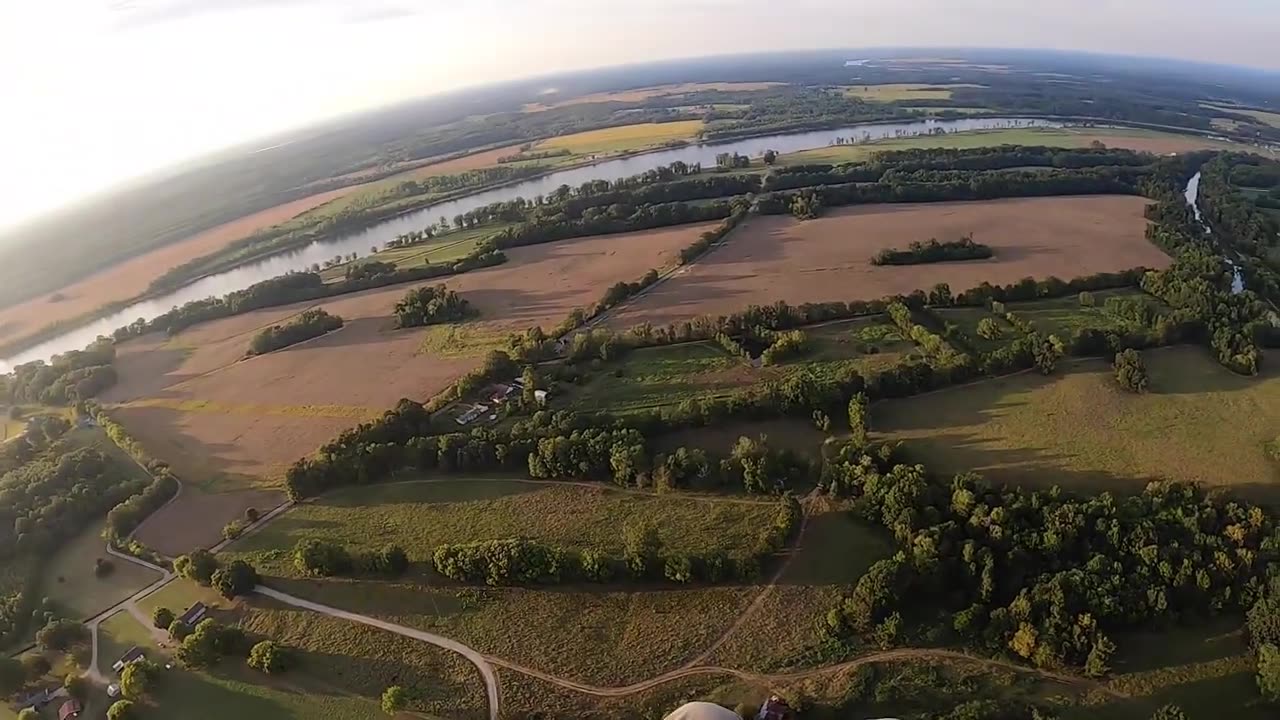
(1079, 428)
(783, 433)
(1267, 118)
(117, 634)
(892, 92)
(181, 594)
(444, 248)
(1052, 137)
(623, 138)
(462, 340)
(667, 375)
(1056, 316)
(862, 345)
(420, 516)
(69, 578)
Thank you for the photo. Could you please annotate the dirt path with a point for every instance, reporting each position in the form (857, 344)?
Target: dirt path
(481, 662)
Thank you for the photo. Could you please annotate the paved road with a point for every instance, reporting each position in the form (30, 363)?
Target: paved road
(480, 661)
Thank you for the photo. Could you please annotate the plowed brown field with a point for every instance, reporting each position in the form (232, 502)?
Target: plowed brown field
(229, 425)
(779, 258)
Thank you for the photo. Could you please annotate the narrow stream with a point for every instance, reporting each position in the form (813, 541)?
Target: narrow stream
(1193, 194)
(376, 236)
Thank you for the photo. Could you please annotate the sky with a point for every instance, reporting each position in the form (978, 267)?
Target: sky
(99, 91)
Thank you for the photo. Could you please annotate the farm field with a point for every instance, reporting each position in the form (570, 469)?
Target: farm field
(1140, 140)
(779, 258)
(639, 94)
(229, 425)
(892, 92)
(1080, 430)
(650, 378)
(421, 515)
(69, 579)
(623, 138)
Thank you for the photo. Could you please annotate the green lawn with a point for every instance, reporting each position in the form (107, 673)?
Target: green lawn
(422, 515)
(116, 635)
(69, 578)
(1063, 316)
(180, 594)
(1199, 422)
(967, 319)
(653, 377)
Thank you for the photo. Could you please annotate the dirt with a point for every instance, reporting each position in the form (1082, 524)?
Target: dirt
(780, 258)
(229, 424)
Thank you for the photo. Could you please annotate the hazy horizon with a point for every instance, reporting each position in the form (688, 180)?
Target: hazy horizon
(108, 91)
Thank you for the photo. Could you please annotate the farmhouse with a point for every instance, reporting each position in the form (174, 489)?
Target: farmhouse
(133, 655)
(194, 614)
(70, 709)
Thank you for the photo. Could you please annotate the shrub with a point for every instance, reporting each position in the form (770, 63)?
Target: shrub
(251, 515)
(1086, 299)
(162, 617)
(60, 635)
(232, 530)
(1131, 372)
(121, 710)
(198, 565)
(989, 329)
(179, 630)
(317, 558)
(394, 700)
(270, 658)
(238, 578)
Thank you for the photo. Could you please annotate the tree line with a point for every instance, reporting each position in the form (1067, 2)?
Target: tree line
(431, 305)
(67, 378)
(310, 323)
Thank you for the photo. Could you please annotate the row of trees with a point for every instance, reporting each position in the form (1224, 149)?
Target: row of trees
(317, 558)
(308, 324)
(933, 251)
(67, 378)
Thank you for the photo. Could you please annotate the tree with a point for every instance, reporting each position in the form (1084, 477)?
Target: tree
(858, 425)
(28, 714)
(770, 156)
(530, 378)
(270, 658)
(1131, 371)
(35, 666)
(60, 635)
(1086, 299)
(1096, 665)
(318, 558)
(179, 630)
(641, 548)
(940, 295)
(162, 617)
(12, 675)
(238, 578)
(251, 515)
(232, 530)
(78, 686)
(1169, 712)
(198, 565)
(136, 678)
(1269, 672)
(121, 710)
(394, 700)
(1047, 351)
(989, 329)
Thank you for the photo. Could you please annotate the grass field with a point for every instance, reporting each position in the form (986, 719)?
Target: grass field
(623, 138)
(1268, 118)
(668, 375)
(863, 345)
(1143, 140)
(444, 248)
(902, 91)
(1079, 429)
(422, 515)
(783, 433)
(69, 580)
(1057, 316)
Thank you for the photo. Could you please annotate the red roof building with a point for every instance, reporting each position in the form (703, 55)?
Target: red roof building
(70, 709)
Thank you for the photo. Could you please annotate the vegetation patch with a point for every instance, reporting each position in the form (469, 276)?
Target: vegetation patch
(1081, 429)
(421, 516)
(918, 253)
(893, 92)
(624, 137)
(308, 324)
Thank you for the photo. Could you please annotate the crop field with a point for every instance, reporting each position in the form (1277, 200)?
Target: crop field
(1140, 140)
(623, 138)
(902, 91)
(230, 426)
(640, 94)
(780, 258)
(1080, 429)
(69, 580)
(442, 249)
(419, 516)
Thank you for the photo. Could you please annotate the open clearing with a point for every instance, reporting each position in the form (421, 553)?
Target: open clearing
(69, 579)
(902, 91)
(780, 258)
(420, 516)
(227, 424)
(1080, 429)
(623, 138)
(1138, 140)
(640, 94)
(1267, 118)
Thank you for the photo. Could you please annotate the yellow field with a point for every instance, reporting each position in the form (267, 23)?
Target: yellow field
(626, 137)
(1270, 118)
(902, 91)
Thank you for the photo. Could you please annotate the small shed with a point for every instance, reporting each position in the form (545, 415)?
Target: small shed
(194, 614)
(134, 654)
(70, 709)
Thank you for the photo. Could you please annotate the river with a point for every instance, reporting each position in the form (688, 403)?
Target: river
(377, 235)
(1192, 195)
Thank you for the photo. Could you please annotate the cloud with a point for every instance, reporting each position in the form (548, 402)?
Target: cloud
(131, 14)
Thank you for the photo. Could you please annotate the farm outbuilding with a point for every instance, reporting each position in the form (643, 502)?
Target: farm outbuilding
(70, 709)
(133, 655)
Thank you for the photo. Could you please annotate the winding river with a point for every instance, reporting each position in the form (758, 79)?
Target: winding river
(1192, 195)
(377, 235)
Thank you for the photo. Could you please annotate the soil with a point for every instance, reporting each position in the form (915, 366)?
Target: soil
(780, 258)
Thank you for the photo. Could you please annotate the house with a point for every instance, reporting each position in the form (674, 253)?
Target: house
(132, 656)
(475, 412)
(194, 614)
(70, 709)
(774, 709)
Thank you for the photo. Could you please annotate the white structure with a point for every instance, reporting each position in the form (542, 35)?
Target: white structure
(702, 711)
